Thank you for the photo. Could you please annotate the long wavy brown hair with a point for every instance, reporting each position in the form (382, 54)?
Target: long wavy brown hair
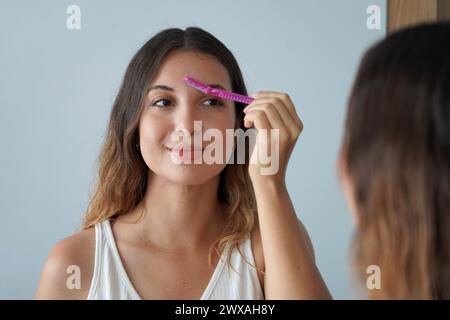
(396, 150)
(122, 175)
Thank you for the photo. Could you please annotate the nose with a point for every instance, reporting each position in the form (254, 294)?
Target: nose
(188, 119)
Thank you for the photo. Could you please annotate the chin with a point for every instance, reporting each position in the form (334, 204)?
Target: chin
(191, 175)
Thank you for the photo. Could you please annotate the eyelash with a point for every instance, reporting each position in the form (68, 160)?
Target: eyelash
(219, 103)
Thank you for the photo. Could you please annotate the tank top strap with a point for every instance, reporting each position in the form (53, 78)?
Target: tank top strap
(97, 259)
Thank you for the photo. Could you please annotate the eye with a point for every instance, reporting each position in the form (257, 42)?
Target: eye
(214, 102)
(161, 103)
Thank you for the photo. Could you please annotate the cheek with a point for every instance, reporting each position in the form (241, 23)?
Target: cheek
(221, 121)
(151, 133)
(221, 125)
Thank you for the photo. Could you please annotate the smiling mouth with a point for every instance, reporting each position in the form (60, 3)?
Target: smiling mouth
(186, 152)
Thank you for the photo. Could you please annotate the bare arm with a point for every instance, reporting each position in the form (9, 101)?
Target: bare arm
(290, 269)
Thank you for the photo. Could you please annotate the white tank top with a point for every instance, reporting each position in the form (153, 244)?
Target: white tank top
(110, 281)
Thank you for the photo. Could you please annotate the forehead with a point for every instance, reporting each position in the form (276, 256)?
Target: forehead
(199, 66)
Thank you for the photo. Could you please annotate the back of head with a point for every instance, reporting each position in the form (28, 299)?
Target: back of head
(396, 150)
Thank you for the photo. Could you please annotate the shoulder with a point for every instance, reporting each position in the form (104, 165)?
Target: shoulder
(68, 270)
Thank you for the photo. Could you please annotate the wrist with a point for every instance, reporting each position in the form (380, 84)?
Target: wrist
(273, 184)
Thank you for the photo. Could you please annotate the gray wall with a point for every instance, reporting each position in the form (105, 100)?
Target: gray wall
(57, 87)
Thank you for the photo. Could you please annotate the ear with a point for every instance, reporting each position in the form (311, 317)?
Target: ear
(341, 165)
(347, 185)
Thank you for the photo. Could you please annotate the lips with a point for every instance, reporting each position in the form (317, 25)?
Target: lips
(185, 152)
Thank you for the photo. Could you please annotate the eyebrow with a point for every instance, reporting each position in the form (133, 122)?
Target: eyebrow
(167, 88)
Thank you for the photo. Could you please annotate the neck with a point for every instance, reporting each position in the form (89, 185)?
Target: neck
(180, 217)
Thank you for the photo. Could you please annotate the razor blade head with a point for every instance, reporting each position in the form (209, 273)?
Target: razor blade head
(197, 84)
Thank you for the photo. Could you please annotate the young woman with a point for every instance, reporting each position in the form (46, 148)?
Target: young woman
(157, 230)
(395, 164)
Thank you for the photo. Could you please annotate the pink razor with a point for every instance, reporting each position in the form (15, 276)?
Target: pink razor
(217, 92)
